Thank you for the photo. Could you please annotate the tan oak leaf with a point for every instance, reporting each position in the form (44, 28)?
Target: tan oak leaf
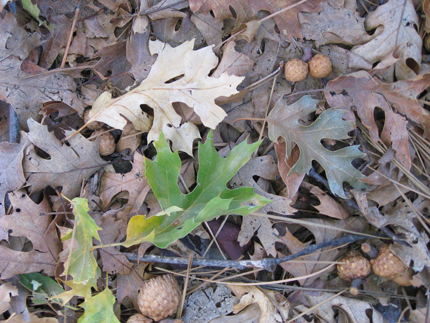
(179, 74)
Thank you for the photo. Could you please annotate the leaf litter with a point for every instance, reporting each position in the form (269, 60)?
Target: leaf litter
(219, 160)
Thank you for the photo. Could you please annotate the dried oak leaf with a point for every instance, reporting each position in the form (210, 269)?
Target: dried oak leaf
(11, 172)
(133, 182)
(365, 93)
(284, 121)
(67, 166)
(243, 11)
(266, 300)
(393, 27)
(178, 75)
(334, 24)
(27, 221)
(26, 95)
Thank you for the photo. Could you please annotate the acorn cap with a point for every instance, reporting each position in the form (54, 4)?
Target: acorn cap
(159, 297)
(138, 318)
(388, 265)
(320, 66)
(354, 266)
(296, 70)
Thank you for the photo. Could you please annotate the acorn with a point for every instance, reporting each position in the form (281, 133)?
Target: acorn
(388, 265)
(159, 297)
(138, 318)
(320, 66)
(107, 142)
(354, 269)
(296, 70)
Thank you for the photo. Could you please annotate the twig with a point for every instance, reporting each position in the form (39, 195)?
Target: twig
(72, 29)
(268, 264)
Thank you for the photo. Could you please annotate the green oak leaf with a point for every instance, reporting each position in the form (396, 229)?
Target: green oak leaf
(99, 308)
(43, 287)
(284, 122)
(83, 265)
(210, 198)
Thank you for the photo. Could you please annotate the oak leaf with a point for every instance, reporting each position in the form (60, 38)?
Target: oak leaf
(178, 75)
(394, 23)
(11, 172)
(68, 165)
(284, 122)
(209, 199)
(242, 11)
(133, 182)
(29, 220)
(26, 95)
(365, 93)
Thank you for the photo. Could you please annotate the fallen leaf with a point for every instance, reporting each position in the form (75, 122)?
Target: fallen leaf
(265, 299)
(82, 264)
(284, 122)
(233, 62)
(335, 24)
(32, 221)
(365, 92)
(7, 290)
(99, 308)
(160, 89)
(355, 310)
(209, 199)
(133, 182)
(11, 172)
(393, 27)
(26, 95)
(242, 12)
(33, 319)
(68, 165)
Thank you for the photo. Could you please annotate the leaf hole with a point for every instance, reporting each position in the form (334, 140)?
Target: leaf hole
(174, 79)
(178, 24)
(413, 65)
(233, 12)
(212, 13)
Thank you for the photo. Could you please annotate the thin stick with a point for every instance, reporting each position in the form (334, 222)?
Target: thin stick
(268, 264)
(69, 41)
(184, 292)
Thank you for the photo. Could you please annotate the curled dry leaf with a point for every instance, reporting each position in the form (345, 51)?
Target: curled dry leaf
(253, 295)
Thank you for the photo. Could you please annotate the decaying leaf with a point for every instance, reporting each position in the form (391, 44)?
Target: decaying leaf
(68, 165)
(366, 93)
(26, 95)
(32, 221)
(334, 24)
(355, 310)
(284, 122)
(82, 264)
(243, 12)
(99, 308)
(396, 23)
(11, 172)
(134, 182)
(7, 290)
(178, 75)
(265, 299)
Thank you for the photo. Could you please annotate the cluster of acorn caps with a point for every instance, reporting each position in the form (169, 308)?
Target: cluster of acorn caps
(354, 267)
(297, 69)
